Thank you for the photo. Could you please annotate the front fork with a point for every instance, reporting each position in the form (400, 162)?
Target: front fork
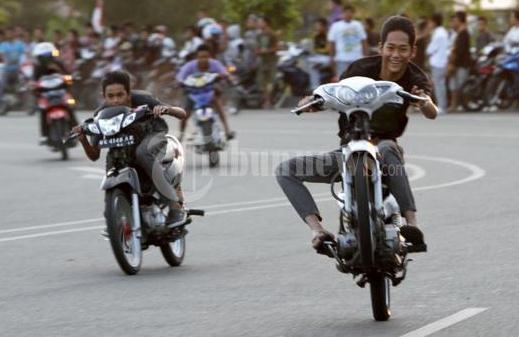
(376, 176)
(136, 227)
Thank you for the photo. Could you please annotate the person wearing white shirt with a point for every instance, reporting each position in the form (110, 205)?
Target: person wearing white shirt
(347, 41)
(511, 39)
(438, 52)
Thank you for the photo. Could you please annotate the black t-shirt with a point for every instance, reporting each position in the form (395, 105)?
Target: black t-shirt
(53, 66)
(147, 125)
(461, 50)
(387, 123)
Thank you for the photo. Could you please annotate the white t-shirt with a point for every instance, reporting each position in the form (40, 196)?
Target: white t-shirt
(438, 48)
(511, 38)
(347, 37)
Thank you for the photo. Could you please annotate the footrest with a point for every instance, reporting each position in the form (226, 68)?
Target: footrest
(196, 212)
(420, 248)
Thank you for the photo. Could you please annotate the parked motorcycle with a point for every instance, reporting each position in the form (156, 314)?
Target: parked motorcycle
(17, 92)
(134, 211)
(200, 90)
(503, 86)
(57, 104)
(368, 243)
(473, 91)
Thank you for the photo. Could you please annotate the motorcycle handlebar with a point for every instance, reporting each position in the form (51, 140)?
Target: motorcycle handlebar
(301, 109)
(410, 97)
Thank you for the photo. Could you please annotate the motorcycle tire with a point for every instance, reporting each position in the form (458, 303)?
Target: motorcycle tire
(174, 252)
(472, 98)
(379, 287)
(498, 93)
(119, 222)
(363, 193)
(214, 158)
(57, 132)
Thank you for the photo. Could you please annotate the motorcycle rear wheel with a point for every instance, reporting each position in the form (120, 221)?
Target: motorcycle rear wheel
(174, 252)
(119, 221)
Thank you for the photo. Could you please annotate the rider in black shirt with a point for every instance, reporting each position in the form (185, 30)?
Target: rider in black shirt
(397, 48)
(150, 134)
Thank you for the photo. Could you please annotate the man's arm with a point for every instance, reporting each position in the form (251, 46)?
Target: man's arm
(91, 151)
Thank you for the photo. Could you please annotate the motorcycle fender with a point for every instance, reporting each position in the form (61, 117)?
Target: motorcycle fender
(56, 113)
(362, 146)
(126, 176)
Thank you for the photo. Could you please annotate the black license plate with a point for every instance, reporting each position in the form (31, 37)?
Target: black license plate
(121, 141)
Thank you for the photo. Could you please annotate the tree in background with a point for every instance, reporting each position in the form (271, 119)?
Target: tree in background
(7, 9)
(284, 14)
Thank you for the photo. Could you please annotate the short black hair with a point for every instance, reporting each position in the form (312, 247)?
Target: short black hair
(116, 77)
(437, 18)
(203, 47)
(337, 2)
(516, 14)
(398, 23)
(461, 16)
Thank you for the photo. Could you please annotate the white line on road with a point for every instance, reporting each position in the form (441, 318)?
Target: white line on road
(30, 236)
(445, 322)
(477, 173)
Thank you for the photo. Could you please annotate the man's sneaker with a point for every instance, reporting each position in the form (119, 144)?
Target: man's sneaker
(414, 236)
(176, 217)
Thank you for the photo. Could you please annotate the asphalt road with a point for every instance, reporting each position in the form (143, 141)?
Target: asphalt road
(249, 269)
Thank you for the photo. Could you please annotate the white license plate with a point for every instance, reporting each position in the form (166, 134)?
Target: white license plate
(122, 141)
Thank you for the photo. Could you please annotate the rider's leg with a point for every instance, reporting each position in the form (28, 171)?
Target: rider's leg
(218, 106)
(291, 176)
(392, 163)
(183, 123)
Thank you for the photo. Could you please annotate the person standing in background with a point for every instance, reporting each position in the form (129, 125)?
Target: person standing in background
(336, 12)
(422, 40)
(484, 36)
(511, 39)
(460, 59)
(319, 58)
(267, 54)
(437, 51)
(373, 36)
(347, 42)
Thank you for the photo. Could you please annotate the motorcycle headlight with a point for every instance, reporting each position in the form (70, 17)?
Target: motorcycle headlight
(110, 127)
(92, 127)
(129, 119)
(367, 94)
(345, 94)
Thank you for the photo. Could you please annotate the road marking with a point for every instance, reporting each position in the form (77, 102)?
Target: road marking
(476, 173)
(30, 236)
(88, 169)
(445, 322)
(61, 224)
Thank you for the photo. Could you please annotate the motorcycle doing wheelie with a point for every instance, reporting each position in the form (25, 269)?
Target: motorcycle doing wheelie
(134, 211)
(57, 104)
(200, 90)
(368, 243)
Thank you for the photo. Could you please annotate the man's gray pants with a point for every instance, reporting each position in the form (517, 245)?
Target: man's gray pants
(292, 174)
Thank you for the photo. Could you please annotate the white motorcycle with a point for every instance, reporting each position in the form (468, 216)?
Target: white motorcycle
(368, 243)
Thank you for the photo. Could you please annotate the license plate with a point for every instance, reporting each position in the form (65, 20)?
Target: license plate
(122, 141)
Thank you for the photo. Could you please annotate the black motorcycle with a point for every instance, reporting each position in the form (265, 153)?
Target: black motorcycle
(134, 211)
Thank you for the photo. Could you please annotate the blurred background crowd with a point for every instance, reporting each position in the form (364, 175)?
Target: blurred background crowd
(272, 49)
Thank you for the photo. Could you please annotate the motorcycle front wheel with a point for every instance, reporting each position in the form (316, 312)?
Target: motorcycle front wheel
(379, 287)
(498, 89)
(126, 245)
(58, 131)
